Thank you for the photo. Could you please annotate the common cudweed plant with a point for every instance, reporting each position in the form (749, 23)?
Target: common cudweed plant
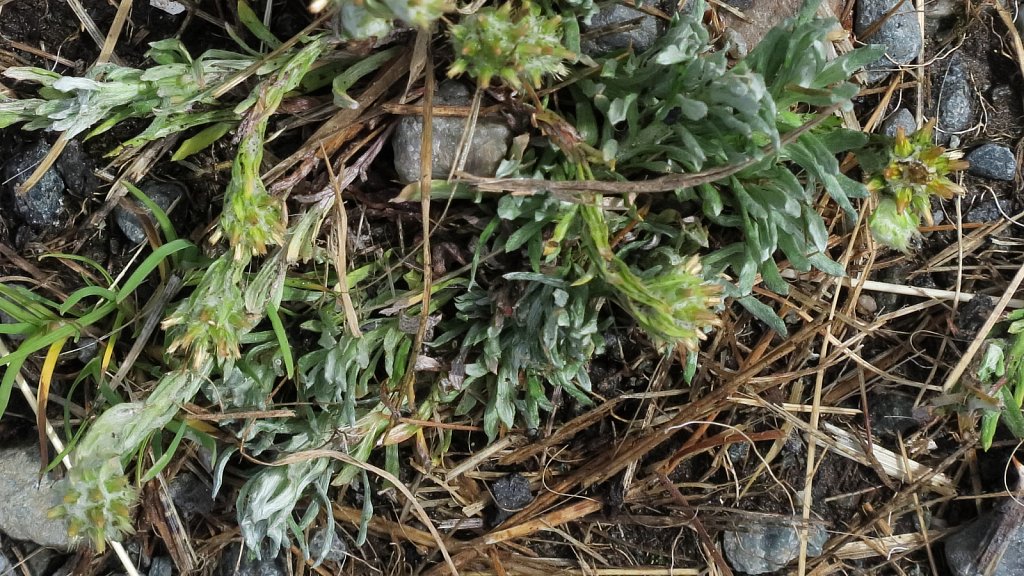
(914, 170)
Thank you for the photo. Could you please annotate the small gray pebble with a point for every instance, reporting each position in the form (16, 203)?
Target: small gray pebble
(338, 551)
(43, 560)
(163, 194)
(190, 495)
(641, 35)
(987, 211)
(956, 110)
(902, 118)
(762, 548)
(43, 205)
(5, 566)
(512, 492)
(970, 317)
(161, 566)
(76, 169)
(85, 349)
(992, 161)
(738, 452)
(488, 149)
(900, 33)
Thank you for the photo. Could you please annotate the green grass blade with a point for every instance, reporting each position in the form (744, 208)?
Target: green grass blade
(165, 458)
(282, 338)
(87, 261)
(158, 212)
(149, 264)
(82, 293)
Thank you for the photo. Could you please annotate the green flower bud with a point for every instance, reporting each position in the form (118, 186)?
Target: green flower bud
(894, 228)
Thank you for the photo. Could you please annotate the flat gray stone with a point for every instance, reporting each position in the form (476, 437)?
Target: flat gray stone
(956, 109)
(163, 194)
(488, 149)
(902, 118)
(962, 547)
(641, 31)
(900, 34)
(764, 548)
(25, 500)
(992, 161)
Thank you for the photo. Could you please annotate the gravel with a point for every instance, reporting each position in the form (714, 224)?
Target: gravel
(955, 110)
(764, 548)
(993, 161)
(490, 139)
(25, 501)
(900, 33)
(5, 566)
(163, 194)
(972, 315)
(901, 118)
(85, 349)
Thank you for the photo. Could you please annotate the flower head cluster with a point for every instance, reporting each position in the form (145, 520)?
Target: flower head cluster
(676, 307)
(212, 320)
(917, 170)
(517, 47)
(97, 503)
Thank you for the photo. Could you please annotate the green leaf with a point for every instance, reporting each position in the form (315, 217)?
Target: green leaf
(827, 265)
(203, 140)
(251, 21)
(1011, 413)
(149, 264)
(165, 459)
(274, 315)
(345, 80)
(158, 213)
(78, 295)
(764, 313)
(989, 424)
(992, 366)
